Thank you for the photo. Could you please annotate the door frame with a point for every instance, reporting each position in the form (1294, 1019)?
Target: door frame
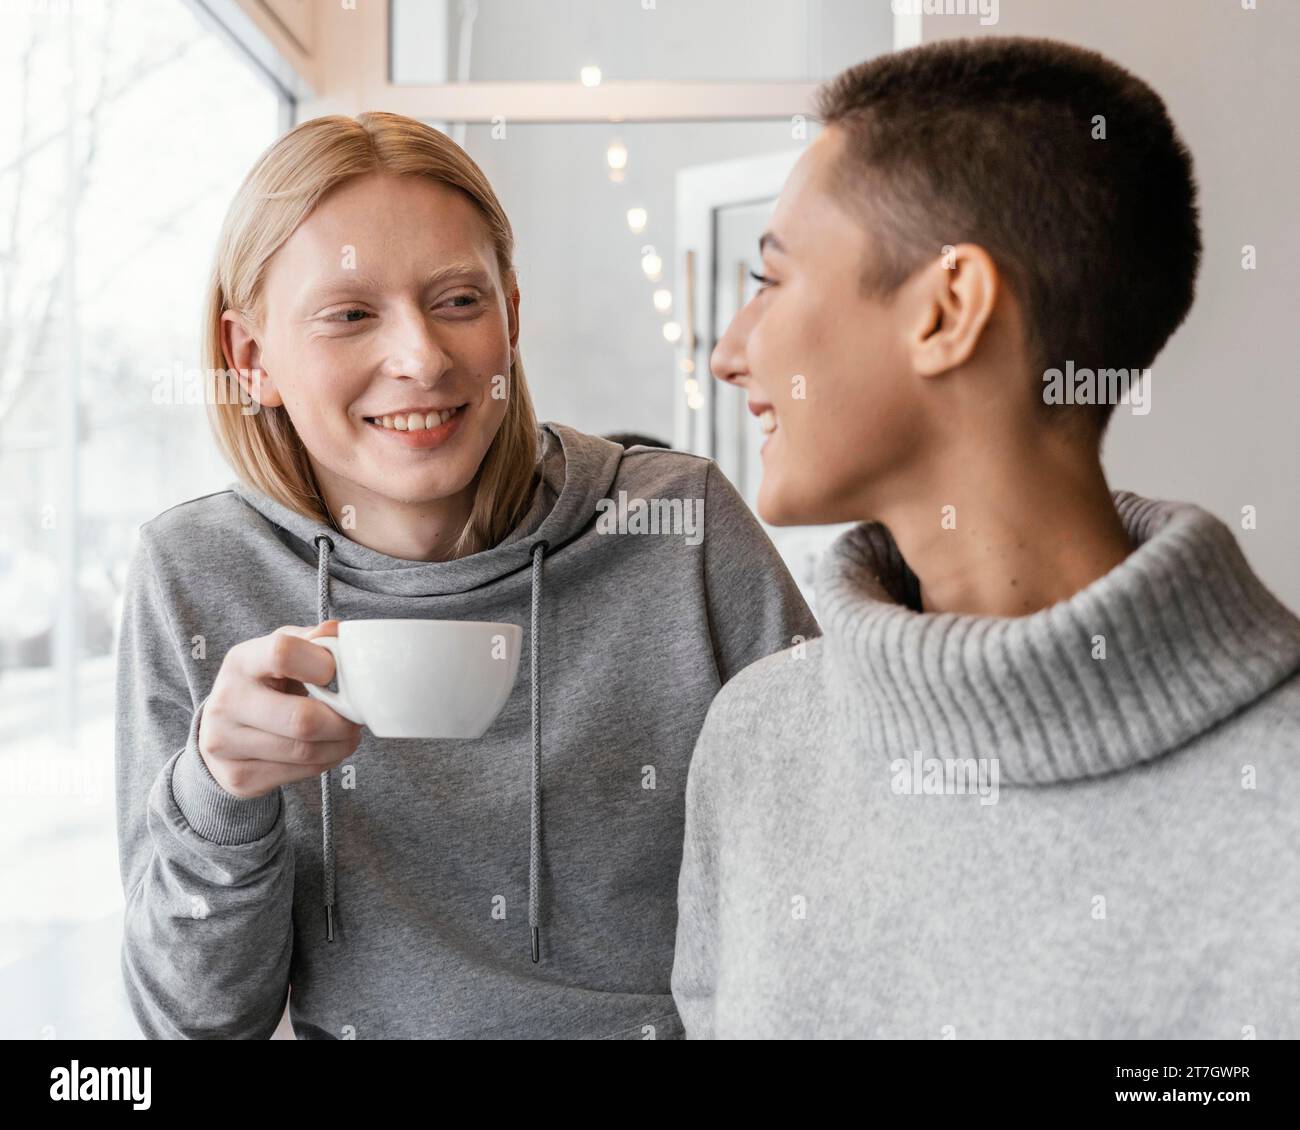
(702, 192)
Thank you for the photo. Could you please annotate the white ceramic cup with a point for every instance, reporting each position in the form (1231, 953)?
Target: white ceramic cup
(421, 678)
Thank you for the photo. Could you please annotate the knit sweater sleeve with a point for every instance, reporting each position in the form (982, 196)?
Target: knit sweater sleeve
(208, 876)
(695, 964)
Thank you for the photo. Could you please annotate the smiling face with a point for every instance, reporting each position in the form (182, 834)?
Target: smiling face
(387, 333)
(825, 367)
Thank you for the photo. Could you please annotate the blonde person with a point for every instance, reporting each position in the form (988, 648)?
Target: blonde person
(389, 465)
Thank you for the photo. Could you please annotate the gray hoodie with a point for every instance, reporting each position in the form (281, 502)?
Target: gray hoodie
(519, 885)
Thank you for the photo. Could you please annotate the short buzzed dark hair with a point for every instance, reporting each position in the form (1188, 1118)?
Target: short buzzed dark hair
(1062, 165)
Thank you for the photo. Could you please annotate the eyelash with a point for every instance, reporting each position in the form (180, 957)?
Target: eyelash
(762, 280)
(340, 316)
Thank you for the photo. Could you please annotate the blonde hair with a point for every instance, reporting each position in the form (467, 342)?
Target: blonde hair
(281, 189)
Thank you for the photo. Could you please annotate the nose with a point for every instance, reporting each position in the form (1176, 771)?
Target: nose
(413, 348)
(728, 362)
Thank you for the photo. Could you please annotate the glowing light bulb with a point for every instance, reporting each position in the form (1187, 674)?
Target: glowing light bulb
(616, 156)
(663, 300)
(672, 332)
(590, 75)
(651, 264)
(636, 220)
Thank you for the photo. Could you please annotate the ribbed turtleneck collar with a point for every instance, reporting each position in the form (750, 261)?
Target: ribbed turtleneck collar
(1190, 637)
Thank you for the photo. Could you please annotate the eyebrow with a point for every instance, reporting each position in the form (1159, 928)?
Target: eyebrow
(353, 282)
(767, 239)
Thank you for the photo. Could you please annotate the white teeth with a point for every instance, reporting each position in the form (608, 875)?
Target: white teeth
(415, 421)
(767, 421)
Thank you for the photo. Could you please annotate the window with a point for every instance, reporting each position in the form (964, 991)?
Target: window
(128, 127)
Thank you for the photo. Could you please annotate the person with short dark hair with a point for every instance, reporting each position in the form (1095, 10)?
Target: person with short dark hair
(1037, 778)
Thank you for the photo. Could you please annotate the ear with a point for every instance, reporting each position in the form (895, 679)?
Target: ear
(956, 296)
(244, 356)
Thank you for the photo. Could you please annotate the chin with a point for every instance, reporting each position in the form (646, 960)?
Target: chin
(451, 481)
(780, 505)
(777, 508)
(425, 486)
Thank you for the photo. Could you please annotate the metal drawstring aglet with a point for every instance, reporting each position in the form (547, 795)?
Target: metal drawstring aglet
(329, 923)
(537, 947)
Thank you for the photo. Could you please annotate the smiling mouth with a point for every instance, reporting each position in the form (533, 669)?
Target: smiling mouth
(415, 421)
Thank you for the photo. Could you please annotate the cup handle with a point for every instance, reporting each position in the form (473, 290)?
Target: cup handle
(338, 700)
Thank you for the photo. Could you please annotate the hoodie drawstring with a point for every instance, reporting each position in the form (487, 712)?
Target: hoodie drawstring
(535, 810)
(324, 546)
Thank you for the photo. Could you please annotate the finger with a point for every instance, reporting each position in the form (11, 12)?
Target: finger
(286, 653)
(324, 628)
(247, 743)
(290, 716)
(308, 631)
(257, 778)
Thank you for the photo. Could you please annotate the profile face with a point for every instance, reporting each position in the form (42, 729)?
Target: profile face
(388, 335)
(822, 364)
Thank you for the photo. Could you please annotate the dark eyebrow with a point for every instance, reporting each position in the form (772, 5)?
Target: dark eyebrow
(767, 239)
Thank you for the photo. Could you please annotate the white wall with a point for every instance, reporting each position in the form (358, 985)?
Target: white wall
(591, 340)
(1224, 427)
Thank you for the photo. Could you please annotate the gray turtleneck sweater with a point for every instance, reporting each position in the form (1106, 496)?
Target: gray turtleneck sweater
(1079, 823)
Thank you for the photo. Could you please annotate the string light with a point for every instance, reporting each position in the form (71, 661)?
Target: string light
(651, 264)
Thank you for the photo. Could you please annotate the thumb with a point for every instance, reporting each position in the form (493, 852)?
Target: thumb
(310, 631)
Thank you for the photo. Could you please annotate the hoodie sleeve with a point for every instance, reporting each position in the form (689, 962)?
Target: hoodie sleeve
(208, 876)
(754, 606)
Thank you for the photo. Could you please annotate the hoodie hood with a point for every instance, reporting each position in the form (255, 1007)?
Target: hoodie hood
(574, 471)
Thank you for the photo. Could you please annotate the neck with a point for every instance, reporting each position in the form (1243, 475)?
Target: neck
(426, 530)
(1009, 528)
